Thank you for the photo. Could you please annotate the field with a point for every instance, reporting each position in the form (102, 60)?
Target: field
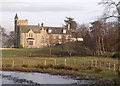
(89, 65)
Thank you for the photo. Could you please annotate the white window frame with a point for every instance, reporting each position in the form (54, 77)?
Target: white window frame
(49, 30)
(64, 31)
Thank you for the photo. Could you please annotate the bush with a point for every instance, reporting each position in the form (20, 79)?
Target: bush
(43, 66)
(21, 46)
(75, 68)
(7, 65)
(117, 81)
(116, 55)
(39, 66)
(89, 68)
(98, 70)
(61, 66)
(25, 65)
(49, 66)
(68, 68)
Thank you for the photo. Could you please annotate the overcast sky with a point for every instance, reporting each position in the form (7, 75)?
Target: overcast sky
(50, 12)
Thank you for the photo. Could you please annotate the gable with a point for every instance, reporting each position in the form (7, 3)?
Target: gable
(27, 28)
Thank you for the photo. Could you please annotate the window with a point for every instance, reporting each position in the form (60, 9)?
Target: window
(60, 37)
(64, 31)
(49, 30)
(30, 42)
(54, 37)
(30, 35)
(66, 37)
(60, 42)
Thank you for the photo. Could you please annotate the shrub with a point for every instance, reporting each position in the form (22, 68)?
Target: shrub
(98, 70)
(117, 81)
(43, 66)
(75, 68)
(7, 65)
(25, 65)
(89, 68)
(21, 46)
(61, 66)
(39, 66)
(68, 68)
(116, 55)
(49, 66)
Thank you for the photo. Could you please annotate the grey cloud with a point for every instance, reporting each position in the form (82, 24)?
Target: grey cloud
(35, 7)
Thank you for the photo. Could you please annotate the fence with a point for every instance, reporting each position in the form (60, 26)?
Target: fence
(109, 65)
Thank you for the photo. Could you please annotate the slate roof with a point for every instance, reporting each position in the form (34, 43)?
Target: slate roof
(26, 28)
(56, 30)
(36, 29)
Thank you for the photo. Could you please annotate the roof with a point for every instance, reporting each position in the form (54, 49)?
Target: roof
(56, 30)
(37, 28)
(26, 28)
(16, 17)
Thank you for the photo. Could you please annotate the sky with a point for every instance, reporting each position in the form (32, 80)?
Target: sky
(49, 12)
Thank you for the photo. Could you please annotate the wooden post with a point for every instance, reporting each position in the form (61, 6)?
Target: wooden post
(119, 68)
(23, 62)
(91, 63)
(45, 62)
(84, 61)
(65, 61)
(109, 65)
(114, 67)
(96, 63)
(74, 61)
(13, 64)
(30, 54)
(100, 64)
(55, 61)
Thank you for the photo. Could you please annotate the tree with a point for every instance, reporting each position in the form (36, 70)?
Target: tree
(111, 8)
(10, 40)
(98, 32)
(3, 37)
(70, 23)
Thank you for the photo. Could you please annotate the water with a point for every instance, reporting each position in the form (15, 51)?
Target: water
(10, 77)
(39, 78)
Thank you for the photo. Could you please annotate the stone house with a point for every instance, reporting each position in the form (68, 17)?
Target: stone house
(38, 36)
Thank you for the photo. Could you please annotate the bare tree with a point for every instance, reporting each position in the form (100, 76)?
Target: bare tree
(10, 40)
(112, 8)
(3, 37)
(98, 32)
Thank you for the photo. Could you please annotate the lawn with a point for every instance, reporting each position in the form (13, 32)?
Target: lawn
(20, 57)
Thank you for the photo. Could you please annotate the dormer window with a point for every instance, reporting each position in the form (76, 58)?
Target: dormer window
(64, 31)
(49, 31)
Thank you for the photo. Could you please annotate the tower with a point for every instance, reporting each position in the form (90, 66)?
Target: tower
(17, 32)
(15, 22)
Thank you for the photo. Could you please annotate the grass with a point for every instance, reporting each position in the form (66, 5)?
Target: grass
(21, 58)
